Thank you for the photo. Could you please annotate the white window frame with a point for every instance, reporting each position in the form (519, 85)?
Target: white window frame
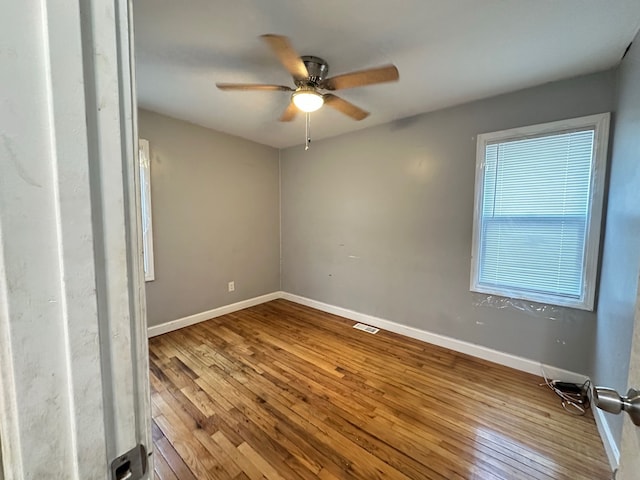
(600, 123)
(144, 162)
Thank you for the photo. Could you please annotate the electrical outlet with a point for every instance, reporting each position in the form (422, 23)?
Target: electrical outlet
(232, 286)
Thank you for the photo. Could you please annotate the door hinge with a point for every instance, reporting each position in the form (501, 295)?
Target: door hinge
(131, 465)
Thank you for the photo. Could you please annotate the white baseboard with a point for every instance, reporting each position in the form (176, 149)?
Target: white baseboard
(209, 314)
(610, 444)
(495, 356)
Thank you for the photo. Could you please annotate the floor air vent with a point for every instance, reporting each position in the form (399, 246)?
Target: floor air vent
(366, 328)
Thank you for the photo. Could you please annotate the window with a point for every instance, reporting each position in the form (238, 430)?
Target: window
(144, 161)
(538, 208)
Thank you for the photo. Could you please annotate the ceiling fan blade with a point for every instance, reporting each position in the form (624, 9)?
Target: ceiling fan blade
(287, 55)
(253, 86)
(388, 73)
(290, 113)
(345, 107)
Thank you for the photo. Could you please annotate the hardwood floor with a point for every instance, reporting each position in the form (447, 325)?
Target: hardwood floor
(282, 391)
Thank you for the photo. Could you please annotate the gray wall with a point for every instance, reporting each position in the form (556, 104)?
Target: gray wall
(215, 202)
(380, 221)
(621, 258)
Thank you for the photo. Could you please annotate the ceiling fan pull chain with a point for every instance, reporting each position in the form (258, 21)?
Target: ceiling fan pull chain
(308, 131)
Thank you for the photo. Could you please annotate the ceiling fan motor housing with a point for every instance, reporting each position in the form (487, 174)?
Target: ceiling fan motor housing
(318, 70)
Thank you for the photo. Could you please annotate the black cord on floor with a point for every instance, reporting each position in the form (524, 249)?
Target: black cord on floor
(574, 398)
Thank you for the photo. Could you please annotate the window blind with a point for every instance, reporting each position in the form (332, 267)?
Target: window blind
(534, 213)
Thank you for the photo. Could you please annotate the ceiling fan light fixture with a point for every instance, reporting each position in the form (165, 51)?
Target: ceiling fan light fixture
(307, 99)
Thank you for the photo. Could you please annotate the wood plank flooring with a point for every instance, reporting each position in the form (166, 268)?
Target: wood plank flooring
(282, 391)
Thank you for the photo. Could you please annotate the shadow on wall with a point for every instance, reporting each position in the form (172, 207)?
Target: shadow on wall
(404, 123)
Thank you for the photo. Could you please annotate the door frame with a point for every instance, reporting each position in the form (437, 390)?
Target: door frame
(630, 442)
(74, 388)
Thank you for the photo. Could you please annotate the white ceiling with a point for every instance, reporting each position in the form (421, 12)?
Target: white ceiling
(447, 51)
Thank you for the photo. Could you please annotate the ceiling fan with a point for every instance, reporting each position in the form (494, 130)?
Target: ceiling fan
(310, 77)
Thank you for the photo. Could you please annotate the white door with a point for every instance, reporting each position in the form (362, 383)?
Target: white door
(630, 445)
(73, 354)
